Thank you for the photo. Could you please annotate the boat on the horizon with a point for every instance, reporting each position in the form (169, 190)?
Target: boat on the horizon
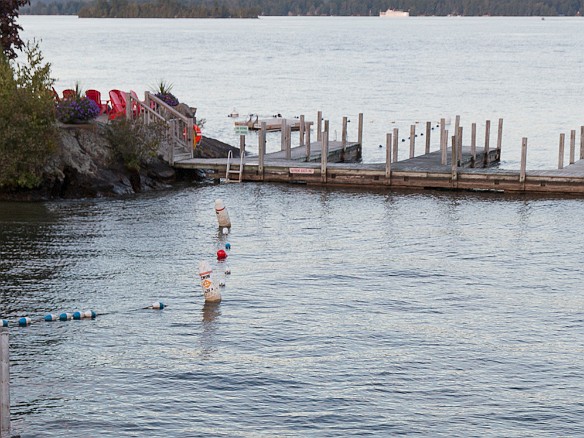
(394, 13)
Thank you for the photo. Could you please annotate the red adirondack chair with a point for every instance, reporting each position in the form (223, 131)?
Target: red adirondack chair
(68, 93)
(136, 109)
(118, 102)
(96, 97)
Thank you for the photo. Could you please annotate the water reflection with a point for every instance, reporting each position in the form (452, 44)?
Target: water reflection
(211, 313)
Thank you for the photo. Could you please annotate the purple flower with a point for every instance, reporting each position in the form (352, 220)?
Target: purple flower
(77, 110)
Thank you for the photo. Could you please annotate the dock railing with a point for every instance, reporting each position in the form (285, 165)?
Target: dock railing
(179, 134)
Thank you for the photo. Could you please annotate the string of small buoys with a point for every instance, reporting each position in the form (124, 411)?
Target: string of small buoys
(211, 292)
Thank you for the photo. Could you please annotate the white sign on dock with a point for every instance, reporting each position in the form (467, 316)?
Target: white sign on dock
(301, 170)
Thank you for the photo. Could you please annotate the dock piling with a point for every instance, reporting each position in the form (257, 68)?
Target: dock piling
(561, 151)
(459, 145)
(288, 142)
(344, 134)
(319, 126)
(360, 130)
(388, 143)
(395, 145)
(324, 152)
(443, 141)
(487, 138)
(412, 141)
(572, 146)
(308, 126)
(582, 142)
(428, 134)
(262, 150)
(302, 129)
(523, 159)
(499, 137)
(453, 158)
(473, 143)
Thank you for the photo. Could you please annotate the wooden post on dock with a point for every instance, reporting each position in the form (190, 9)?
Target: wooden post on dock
(459, 145)
(128, 106)
(308, 125)
(456, 125)
(561, 152)
(473, 144)
(324, 152)
(288, 142)
(360, 130)
(395, 145)
(302, 128)
(523, 159)
(428, 134)
(487, 138)
(412, 141)
(572, 146)
(319, 126)
(262, 150)
(283, 135)
(453, 158)
(4, 383)
(499, 137)
(344, 135)
(388, 144)
(582, 142)
(242, 147)
(443, 141)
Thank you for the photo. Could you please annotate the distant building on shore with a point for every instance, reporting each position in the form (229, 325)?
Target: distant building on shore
(394, 13)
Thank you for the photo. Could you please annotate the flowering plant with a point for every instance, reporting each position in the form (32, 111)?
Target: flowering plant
(77, 109)
(167, 98)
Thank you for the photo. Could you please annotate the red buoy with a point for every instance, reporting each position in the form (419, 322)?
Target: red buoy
(221, 255)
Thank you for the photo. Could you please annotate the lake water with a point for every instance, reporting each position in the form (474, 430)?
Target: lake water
(347, 312)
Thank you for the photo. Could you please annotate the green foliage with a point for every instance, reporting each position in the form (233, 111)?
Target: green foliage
(254, 8)
(133, 142)
(9, 37)
(28, 135)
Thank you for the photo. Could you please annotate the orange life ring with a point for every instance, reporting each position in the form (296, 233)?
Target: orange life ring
(198, 136)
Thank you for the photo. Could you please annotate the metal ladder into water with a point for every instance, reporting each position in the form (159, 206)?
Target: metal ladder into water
(229, 172)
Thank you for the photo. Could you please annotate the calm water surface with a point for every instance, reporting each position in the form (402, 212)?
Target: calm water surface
(347, 313)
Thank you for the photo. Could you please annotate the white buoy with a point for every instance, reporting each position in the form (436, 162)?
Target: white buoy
(222, 216)
(212, 293)
(90, 314)
(158, 305)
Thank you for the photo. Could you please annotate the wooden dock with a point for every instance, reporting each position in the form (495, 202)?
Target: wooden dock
(254, 123)
(455, 167)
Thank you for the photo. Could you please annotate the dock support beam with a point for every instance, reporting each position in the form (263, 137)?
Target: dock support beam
(572, 146)
(308, 125)
(302, 129)
(499, 138)
(453, 158)
(523, 160)
(344, 137)
(473, 144)
(4, 383)
(319, 126)
(443, 141)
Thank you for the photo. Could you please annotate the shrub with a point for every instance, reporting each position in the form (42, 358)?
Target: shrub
(28, 135)
(133, 142)
(77, 109)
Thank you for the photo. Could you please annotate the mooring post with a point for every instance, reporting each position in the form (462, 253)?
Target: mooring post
(388, 143)
(459, 145)
(443, 141)
(456, 125)
(344, 134)
(360, 130)
(582, 142)
(499, 138)
(288, 142)
(561, 152)
(302, 128)
(453, 160)
(283, 135)
(473, 144)
(319, 126)
(262, 150)
(523, 159)
(4, 383)
(395, 145)
(242, 149)
(308, 126)
(412, 141)
(487, 138)
(324, 152)
(428, 135)
(572, 146)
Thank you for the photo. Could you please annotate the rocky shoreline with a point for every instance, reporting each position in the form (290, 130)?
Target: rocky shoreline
(82, 168)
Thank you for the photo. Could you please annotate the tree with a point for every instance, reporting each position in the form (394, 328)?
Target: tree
(9, 37)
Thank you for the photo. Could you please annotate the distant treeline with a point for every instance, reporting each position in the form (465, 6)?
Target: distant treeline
(254, 8)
